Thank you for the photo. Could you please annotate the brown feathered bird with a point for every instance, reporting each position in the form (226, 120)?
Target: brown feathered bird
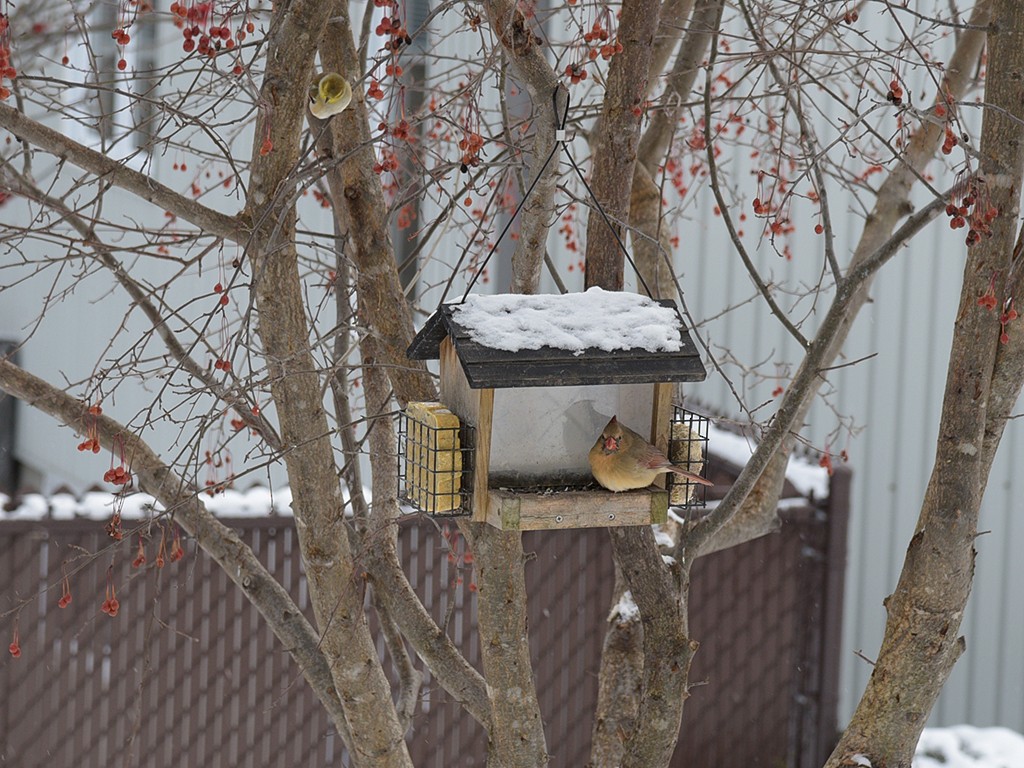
(622, 460)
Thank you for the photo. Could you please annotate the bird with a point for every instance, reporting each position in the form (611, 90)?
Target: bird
(329, 94)
(622, 460)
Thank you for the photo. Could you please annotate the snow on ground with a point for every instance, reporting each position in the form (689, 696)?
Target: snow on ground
(594, 319)
(809, 478)
(964, 746)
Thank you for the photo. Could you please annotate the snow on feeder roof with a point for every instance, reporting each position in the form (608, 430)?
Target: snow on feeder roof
(596, 337)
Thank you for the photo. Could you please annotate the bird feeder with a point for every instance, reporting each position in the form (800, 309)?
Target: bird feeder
(526, 385)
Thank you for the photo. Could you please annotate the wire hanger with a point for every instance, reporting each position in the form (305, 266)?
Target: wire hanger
(561, 141)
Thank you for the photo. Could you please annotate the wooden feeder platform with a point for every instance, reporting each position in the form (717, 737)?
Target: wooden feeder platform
(525, 510)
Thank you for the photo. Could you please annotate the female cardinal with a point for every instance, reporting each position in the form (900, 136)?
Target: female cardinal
(621, 460)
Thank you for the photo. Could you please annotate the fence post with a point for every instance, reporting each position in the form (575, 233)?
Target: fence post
(8, 465)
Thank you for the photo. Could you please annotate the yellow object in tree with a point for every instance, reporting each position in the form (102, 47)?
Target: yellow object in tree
(433, 458)
(329, 94)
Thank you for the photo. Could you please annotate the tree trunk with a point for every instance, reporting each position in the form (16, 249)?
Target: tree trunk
(615, 142)
(921, 643)
(619, 680)
(516, 738)
(335, 586)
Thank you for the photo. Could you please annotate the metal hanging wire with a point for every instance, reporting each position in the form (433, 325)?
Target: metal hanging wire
(561, 141)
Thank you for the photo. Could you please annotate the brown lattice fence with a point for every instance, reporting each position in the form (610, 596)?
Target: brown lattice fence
(186, 673)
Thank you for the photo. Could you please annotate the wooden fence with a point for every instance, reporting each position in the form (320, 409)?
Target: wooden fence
(187, 673)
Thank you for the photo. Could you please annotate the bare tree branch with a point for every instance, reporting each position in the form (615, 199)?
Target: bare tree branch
(181, 500)
(524, 51)
(120, 175)
(336, 586)
(876, 243)
(921, 642)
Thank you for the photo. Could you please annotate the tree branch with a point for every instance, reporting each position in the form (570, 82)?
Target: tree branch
(181, 500)
(336, 586)
(615, 142)
(232, 396)
(877, 243)
(116, 173)
(356, 190)
(524, 51)
(921, 644)
(707, 17)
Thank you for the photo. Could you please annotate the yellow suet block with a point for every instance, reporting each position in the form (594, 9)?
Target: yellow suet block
(433, 457)
(685, 452)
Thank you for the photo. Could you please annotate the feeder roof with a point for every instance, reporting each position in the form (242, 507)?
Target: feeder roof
(596, 337)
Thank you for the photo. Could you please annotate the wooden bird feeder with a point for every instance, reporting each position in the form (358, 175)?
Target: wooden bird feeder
(527, 384)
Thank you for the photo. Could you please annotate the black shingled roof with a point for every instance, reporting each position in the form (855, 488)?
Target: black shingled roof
(486, 367)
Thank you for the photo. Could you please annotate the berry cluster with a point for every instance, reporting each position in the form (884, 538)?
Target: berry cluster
(576, 73)
(65, 588)
(118, 475)
(949, 141)
(568, 230)
(92, 437)
(470, 144)
(392, 27)
(110, 604)
(219, 289)
(989, 302)
(604, 48)
(214, 465)
(6, 69)
(895, 94)
(973, 211)
(599, 43)
(113, 528)
(238, 422)
(388, 162)
(122, 38)
(400, 130)
(140, 557)
(193, 19)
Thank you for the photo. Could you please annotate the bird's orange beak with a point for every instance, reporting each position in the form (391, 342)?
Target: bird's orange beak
(611, 444)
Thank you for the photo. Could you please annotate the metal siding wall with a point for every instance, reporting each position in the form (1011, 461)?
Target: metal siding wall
(897, 397)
